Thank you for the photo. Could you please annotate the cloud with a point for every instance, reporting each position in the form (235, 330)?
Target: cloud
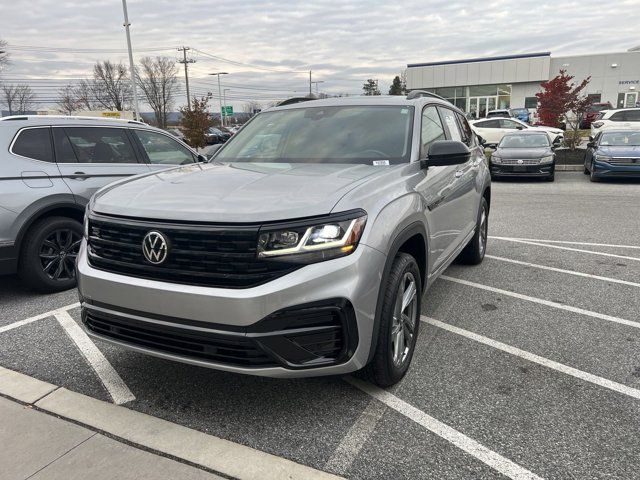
(344, 42)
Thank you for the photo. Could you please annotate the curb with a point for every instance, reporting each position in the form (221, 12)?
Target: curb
(210, 452)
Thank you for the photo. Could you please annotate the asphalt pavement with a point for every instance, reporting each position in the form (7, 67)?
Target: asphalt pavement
(527, 366)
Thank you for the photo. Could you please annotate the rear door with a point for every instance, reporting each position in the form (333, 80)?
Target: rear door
(162, 151)
(92, 157)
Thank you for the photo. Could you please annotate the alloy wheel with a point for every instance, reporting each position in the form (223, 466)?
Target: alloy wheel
(58, 254)
(404, 318)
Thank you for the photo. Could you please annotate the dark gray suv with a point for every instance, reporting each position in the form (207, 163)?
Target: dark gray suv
(302, 249)
(49, 168)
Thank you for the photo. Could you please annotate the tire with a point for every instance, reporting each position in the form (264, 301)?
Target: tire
(551, 177)
(388, 366)
(592, 175)
(48, 254)
(586, 171)
(473, 253)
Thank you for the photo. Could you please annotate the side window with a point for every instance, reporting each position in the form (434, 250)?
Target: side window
(101, 145)
(632, 116)
(510, 124)
(161, 149)
(432, 129)
(467, 133)
(450, 122)
(489, 124)
(617, 117)
(34, 143)
(64, 150)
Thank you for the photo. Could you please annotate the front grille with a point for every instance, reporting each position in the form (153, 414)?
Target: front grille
(228, 349)
(525, 161)
(207, 255)
(625, 161)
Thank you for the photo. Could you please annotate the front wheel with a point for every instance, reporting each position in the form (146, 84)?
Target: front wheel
(592, 175)
(473, 253)
(399, 323)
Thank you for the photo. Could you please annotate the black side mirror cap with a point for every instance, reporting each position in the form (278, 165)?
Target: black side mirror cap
(519, 127)
(591, 144)
(202, 158)
(446, 152)
(481, 140)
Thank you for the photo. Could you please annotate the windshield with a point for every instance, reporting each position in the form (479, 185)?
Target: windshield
(620, 139)
(344, 134)
(524, 141)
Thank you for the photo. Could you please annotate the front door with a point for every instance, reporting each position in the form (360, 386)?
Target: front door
(479, 106)
(91, 157)
(630, 99)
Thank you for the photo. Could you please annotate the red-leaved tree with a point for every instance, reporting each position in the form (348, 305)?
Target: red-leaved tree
(559, 96)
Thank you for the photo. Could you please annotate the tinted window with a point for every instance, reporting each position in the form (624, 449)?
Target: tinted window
(344, 134)
(34, 143)
(101, 145)
(449, 118)
(618, 117)
(488, 124)
(632, 116)
(504, 123)
(432, 129)
(64, 150)
(467, 133)
(161, 149)
(531, 102)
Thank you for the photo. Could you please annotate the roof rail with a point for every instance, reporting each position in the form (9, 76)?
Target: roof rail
(422, 93)
(291, 101)
(13, 117)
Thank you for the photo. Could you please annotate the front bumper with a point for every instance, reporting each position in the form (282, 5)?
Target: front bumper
(610, 170)
(137, 311)
(501, 170)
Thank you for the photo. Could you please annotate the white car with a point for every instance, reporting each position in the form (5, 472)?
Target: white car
(622, 118)
(493, 129)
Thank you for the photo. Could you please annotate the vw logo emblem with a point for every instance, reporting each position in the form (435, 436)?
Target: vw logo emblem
(520, 162)
(154, 247)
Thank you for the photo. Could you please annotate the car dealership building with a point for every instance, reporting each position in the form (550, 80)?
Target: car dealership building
(479, 84)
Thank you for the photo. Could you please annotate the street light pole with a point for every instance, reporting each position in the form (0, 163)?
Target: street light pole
(224, 98)
(131, 66)
(220, 92)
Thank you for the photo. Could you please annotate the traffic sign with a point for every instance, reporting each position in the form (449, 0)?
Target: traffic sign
(227, 111)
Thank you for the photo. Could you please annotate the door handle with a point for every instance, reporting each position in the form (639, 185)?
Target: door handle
(78, 175)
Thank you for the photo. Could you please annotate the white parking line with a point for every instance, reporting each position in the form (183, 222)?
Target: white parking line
(625, 257)
(26, 321)
(548, 303)
(351, 444)
(118, 390)
(460, 440)
(562, 270)
(567, 242)
(532, 357)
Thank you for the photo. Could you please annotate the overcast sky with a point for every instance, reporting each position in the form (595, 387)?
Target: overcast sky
(344, 42)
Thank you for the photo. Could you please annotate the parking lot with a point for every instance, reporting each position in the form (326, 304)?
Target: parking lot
(527, 366)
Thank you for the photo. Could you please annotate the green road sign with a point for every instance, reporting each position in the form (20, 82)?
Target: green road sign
(227, 111)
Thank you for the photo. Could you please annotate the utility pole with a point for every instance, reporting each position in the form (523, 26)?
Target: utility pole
(310, 82)
(316, 83)
(126, 25)
(186, 63)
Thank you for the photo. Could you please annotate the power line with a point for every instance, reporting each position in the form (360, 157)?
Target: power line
(242, 64)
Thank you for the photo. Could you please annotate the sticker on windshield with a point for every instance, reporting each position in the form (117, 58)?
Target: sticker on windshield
(404, 111)
(378, 163)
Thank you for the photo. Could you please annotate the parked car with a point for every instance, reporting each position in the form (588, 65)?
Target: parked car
(521, 114)
(613, 153)
(592, 113)
(616, 119)
(527, 153)
(291, 255)
(501, 113)
(493, 129)
(215, 135)
(49, 168)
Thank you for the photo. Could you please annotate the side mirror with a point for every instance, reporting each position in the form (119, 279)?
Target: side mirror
(202, 158)
(591, 144)
(519, 127)
(481, 140)
(591, 138)
(446, 152)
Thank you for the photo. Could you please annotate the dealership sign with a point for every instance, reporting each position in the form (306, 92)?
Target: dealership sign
(628, 82)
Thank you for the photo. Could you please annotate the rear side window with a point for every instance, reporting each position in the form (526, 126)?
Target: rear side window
(64, 150)
(100, 145)
(618, 117)
(489, 124)
(632, 116)
(449, 118)
(467, 133)
(510, 124)
(34, 143)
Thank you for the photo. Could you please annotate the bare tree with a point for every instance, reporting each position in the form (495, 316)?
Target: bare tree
(25, 99)
(110, 86)
(9, 97)
(157, 80)
(4, 56)
(83, 93)
(67, 101)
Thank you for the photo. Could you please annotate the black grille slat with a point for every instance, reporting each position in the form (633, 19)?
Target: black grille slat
(215, 256)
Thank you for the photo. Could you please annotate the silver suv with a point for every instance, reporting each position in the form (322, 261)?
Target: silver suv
(302, 249)
(49, 168)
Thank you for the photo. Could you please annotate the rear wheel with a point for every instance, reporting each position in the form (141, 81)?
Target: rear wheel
(474, 252)
(399, 323)
(48, 254)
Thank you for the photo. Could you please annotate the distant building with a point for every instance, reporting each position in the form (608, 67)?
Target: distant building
(480, 84)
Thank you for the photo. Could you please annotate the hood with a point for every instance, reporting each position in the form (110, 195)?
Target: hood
(621, 151)
(235, 192)
(548, 129)
(522, 153)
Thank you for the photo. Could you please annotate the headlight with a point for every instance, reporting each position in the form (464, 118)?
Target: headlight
(602, 158)
(597, 124)
(547, 159)
(496, 159)
(309, 242)
(86, 223)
